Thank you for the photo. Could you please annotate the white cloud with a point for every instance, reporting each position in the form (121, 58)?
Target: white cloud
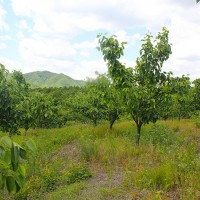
(123, 36)
(87, 69)
(86, 44)
(56, 23)
(3, 24)
(128, 63)
(23, 24)
(63, 16)
(85, 53)
(5, 37)
(45, 48)
(3, 46)
(185, 38)
(10, 64)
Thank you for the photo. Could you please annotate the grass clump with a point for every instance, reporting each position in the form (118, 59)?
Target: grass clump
(89, 149)
(69, 192)
(77, 173)
(197, 121)
(159, 178)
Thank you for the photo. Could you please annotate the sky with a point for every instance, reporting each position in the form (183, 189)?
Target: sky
(61, 35)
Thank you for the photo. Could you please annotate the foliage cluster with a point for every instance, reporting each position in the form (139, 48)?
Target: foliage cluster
(77, 173)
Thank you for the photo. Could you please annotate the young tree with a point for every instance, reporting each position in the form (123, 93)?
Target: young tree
(90, 102)
(196, 94)
(181, 97)
(143, 88)
(13, 90)
(112, 100)
(44, 112)
(99, 100)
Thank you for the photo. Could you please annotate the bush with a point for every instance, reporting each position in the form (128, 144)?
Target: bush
(50, 180)
(77, 173)
(31, 189)
(160, 135)
(196, 119)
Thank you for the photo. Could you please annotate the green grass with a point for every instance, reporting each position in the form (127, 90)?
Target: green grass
(83, 162)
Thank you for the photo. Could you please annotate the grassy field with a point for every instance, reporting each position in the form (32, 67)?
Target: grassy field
(83, 162)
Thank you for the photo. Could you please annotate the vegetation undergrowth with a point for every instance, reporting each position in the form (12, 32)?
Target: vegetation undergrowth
(80, 161)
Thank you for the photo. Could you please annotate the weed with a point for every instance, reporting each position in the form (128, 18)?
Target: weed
(165, 165)
(89, 149)
(197, 123)
(50, 179)
(128, 180)
(196, 119)
(69, 192)
(187, 161)
(176, 129)
(77, 173)
(109, 193)
(160, 135)
(31, 189)
(155, 178)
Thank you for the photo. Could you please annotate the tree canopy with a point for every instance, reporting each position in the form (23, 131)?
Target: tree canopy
(144, 88)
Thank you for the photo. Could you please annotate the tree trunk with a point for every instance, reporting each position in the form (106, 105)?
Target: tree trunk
(111, 123)
(95, 122)
(139, 125)
(179, 117)
(113, 117)
(26, 129)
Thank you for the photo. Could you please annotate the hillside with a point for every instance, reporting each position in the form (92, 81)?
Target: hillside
(48, 79)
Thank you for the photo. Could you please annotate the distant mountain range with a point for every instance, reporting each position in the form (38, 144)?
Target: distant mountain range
(41, 79)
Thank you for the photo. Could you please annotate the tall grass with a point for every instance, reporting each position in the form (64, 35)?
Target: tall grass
(166, 165)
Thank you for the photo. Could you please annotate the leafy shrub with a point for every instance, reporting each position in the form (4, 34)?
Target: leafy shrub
(196, 119)
(160, 135)
(186, 161)
(50, 179)
(47, 179)
(197, 123)
(12, 170)
(31, 189)
(77, 173)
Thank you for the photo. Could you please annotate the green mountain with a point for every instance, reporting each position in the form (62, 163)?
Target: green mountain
(48, 79)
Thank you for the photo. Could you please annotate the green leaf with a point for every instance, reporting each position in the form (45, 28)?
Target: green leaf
(15, 156)
(20, 181)
(22, 153)
(3, 164)
(7, 157)
(2, 152)
(10, 184)
(31, 145)
(1, 182)
(6, 141)
(22, 170)
(17, 187)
